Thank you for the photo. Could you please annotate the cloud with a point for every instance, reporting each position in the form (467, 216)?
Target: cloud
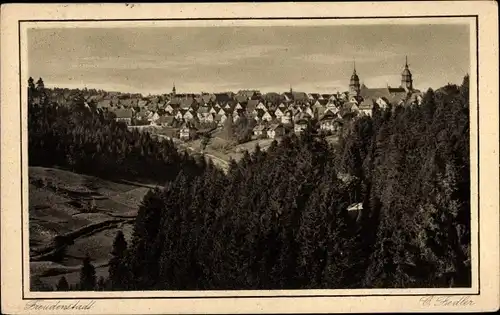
(359, 57)
(186, 62)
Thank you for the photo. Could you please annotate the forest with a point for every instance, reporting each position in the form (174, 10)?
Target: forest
(279, 218)
(90, 142)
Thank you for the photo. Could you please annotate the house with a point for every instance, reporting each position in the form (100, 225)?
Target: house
(288, 96)
(327, 122)
(213, 110)
(209, 118)
(300, 125)
(308, 110)
(268, 116)
(238, 106)
(102, 104)
(252, 106)
(203, 113)
(220, 119)
(314, 96)
(258, 114)
(237, 114)
(275, 130)
(287, 117)
(179, 115)
(355, 210)
(222, 98)
(279, 113)
(366, 107)
(186, 132)
(124, 115)
(170, 108)
(188, 115)
(261, 106)
(142, 103)
(166, 121)
(259, 130)
(153, 117)
(320, 103)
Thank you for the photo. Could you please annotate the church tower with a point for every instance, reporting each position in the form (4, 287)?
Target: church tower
(406, 78)
(354, 87)
(173, 90)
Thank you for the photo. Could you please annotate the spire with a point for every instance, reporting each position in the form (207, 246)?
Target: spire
(354, 65)
(406, 61)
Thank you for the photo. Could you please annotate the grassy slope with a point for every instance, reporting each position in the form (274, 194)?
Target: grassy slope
(58, 205)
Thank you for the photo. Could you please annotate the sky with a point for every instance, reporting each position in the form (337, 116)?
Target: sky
(228, 58)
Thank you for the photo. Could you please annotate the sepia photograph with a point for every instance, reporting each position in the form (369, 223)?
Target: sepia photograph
(226, 158)
(305, 156)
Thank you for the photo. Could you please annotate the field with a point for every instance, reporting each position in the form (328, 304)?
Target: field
(85, 212)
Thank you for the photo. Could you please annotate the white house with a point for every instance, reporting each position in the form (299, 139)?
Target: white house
(275, 130)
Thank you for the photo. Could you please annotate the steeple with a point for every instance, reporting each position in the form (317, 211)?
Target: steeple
(354, 87)
(173, 89)
(406, 77)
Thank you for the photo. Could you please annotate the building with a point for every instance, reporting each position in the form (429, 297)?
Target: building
(328, 122)
(259, 130)
(365, 97)
(275, 130)
(300, 125)
(186, 131)
(124, 115)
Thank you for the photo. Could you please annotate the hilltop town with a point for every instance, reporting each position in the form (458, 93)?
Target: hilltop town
(269, 115)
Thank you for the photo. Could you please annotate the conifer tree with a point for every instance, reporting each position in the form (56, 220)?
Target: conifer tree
(117, 268)
(87, 275)
(62, 284)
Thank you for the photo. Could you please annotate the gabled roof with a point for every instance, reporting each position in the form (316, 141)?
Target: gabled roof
(300, 96)
(328, 116)
(104, 103)
(275, 126)
(315, 96)
(251, 105)
(366, 104)
(186, 102)
(241, 98)
(129, 102)
(355, 206)
(302, 116)
(260, 112)
(322, 102)
(203, 110)
(247, 93)
(142, 103)
(259, 128)
(222, 97)
(166, 119)
(288, 95)
(123, 113)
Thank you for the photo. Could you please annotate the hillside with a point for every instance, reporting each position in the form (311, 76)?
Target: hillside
(85, 212)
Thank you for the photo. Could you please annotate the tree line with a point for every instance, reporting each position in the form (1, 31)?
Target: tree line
(82, 139)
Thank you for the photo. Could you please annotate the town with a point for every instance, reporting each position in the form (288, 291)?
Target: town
(269, 115)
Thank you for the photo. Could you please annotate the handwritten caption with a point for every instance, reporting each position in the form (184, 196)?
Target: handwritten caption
(446, 301)
(38, 305)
